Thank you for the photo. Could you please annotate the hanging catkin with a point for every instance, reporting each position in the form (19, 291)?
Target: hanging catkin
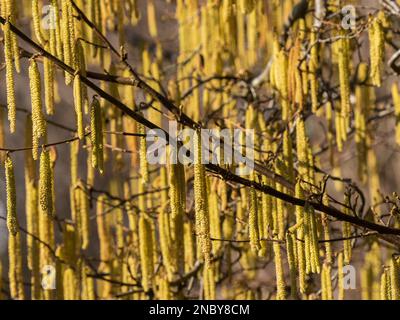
(12, 220)
(384, 288)
(280, 277)
(96, 135)
(151, 18)
(290, 249)
(38, 121)
(66, 37)
(396, 103)
(376, 50)
(45, 184)
(78, 102)
(37, 22)
(394, 279)
(253, 222)
(49, 73)
(344, 80)
(340, 276)
(8, 54)
(146, 252)
(201, 201)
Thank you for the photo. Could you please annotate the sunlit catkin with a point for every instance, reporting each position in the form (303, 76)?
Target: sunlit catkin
(376, 50)
(8, 54)
(36, 16)
(344, 79)
(280, 277)
(96, 135)
(394, 279)
(201, 201)
(396, 103)
(45, 184)
(38, 121)
(151, 18)
(78, 102)
(146, 252)
(12, 220)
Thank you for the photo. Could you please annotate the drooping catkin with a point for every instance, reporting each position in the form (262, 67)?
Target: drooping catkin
(96, 135)
(396, 103)
(45, 184)
(8, 54)
(146, 252)
(66, 37)
(37, 22)
(344, 80)
(12, 220)
(313, 68)
(49, 85)
(15, 266)
(201, 201)
(151, 18)
(253, 222)
(376, 50)
(38, 121)
(78, 102)
(340, 265)
(280, 277)
(394, 279)
(69, 280)
(84, 212)
(384, 286)
(291, 257)
(144, 166)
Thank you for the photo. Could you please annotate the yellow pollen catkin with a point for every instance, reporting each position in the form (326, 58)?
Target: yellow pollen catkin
(8, 54)
(201, 201)
(45, 184)
(78, 102)
(38, 121)
(12, 220)
(96, 135)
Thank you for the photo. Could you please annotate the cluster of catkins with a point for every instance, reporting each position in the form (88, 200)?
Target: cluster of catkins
(173, 231)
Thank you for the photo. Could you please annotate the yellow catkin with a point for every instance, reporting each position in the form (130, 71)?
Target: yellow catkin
(290, 249)
(280, 277)
(38, 121)
(36, 16)
(340, 276)
(384, 288)
(84, 212)
(201, 202)
(253, 222)
(78, 102)
(360, 119)
(344, 80)
(15, 267)
(146, 254)
(49, 73)
(45, 184)
(376, 50)
(12, 220)
(313, 68)
(396, 103)
(8, 54)
(66, 36)
(69, 280)
(151, 18)
(144, 166)
(96, 135)
(394, 279)
(209, 283)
